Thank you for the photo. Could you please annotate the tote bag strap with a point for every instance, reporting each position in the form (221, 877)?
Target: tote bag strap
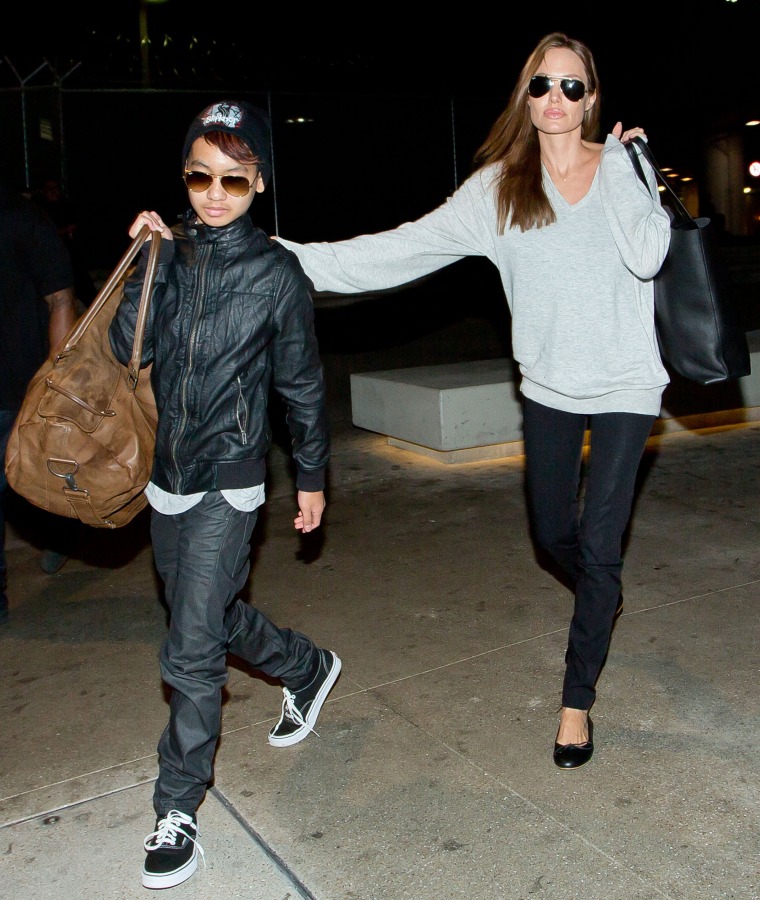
(681, 214)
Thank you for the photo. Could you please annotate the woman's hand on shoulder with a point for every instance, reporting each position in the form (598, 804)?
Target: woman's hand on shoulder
(153, 221)
(625, 136)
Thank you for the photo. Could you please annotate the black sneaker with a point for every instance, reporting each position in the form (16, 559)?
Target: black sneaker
(300, 708)
(172, 851)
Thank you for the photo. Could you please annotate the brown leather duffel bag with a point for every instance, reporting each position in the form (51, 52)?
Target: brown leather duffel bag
(82, 444)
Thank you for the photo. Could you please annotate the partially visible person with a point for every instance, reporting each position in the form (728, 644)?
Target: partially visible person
(65, 216)
(231, 315)
(577, 239)
(37, 310)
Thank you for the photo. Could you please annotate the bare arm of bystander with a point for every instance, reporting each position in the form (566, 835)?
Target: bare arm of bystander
(62, 306)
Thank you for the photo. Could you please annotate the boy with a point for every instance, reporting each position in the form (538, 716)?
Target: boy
(231, 313)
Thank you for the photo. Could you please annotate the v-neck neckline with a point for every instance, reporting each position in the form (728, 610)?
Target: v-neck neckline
(565, 201)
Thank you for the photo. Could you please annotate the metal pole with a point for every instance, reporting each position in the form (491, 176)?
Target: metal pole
(24, 138)
(144, 44)
(271, 146)
(59, 86)
(454, 145)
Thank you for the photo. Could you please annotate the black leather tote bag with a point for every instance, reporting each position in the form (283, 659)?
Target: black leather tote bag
(697, 326)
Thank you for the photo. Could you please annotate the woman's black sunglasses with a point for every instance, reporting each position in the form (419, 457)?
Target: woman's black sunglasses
(572, 88)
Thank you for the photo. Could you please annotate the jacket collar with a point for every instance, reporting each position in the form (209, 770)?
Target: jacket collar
(199, 233)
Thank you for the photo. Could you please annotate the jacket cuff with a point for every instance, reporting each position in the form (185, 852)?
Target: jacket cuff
(165, 252)
(312, 480)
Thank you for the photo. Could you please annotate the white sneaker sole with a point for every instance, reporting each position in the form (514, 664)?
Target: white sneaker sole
(316, 707)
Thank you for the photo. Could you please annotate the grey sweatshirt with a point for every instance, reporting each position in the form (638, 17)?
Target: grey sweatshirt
(579, 291)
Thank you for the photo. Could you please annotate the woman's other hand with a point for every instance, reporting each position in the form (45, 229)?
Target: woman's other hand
(625, 136)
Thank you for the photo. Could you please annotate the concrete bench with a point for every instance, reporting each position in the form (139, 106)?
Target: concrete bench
(463, 412)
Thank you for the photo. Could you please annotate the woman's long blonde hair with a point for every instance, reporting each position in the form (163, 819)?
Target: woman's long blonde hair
(513, 142)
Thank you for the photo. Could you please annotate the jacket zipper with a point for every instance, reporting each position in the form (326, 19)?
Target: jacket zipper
(199, 307)
(242, 421)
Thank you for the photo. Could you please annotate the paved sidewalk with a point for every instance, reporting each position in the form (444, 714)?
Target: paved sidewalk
(431, 777)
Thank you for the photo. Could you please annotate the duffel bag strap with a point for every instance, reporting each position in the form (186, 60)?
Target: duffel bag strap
(133, 370)
(82, 508)
(110, 285)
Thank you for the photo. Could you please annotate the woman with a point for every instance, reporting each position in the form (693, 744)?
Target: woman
(577, 240)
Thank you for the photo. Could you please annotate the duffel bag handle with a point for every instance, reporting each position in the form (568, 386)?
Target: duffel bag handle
(133, 371)
(110, 286)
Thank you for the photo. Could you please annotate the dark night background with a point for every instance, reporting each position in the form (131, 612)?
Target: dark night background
(384, 89)
(683, 69)
(675, 65)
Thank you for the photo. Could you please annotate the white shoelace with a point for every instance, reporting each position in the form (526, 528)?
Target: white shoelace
(168, 829)
(290, 710)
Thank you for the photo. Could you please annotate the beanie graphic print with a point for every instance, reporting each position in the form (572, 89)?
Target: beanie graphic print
(226, 114)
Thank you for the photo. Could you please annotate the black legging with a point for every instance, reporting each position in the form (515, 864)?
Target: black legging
(584, 536)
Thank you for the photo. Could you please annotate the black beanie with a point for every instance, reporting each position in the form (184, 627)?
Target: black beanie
(249, 123)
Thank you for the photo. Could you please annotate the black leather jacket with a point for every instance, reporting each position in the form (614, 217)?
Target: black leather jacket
(231, 316)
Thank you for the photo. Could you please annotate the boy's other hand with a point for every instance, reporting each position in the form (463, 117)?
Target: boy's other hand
(311, 505)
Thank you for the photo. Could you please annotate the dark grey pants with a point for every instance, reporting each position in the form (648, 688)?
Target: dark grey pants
(202, 556)
(585, 539)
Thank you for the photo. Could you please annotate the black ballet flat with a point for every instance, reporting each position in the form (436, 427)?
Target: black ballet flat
(573, 756)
